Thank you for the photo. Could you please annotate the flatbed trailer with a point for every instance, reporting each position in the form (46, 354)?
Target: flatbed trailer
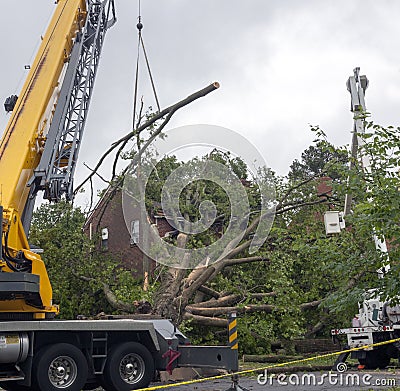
(119, 354)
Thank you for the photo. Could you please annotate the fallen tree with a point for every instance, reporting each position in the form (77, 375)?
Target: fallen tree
(278, 281)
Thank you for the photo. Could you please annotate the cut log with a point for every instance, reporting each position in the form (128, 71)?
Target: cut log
(206, 321)
(226, 310)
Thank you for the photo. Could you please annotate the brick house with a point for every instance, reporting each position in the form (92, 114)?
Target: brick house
(119, 238)
(106, 224)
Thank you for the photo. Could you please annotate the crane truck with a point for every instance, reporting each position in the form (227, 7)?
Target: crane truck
(376, 321)
(38, 153)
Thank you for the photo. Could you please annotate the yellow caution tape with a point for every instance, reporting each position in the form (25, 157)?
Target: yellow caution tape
(284, 364)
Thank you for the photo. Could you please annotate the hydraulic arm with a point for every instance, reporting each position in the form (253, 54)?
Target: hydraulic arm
(40, 146)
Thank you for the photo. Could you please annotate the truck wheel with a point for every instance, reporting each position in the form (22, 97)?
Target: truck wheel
(60, 367)
(384, 361)
(375, 359)
(362, 361)
(129, 366)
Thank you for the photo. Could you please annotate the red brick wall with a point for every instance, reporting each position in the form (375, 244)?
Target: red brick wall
(111, 216)
(324, 186)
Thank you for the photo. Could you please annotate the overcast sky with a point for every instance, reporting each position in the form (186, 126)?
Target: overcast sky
(282, 65)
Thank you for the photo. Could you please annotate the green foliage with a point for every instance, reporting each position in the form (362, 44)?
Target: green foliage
(198, 191)
(57, 229)
(300, 263)
(376, 206)
(69, 255)
(317, 160)
(352, 255)
(129, 288)
(256, 332)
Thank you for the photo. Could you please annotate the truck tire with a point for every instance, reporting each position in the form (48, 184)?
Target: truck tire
(60, 367)
(375, 359)
(129, 366)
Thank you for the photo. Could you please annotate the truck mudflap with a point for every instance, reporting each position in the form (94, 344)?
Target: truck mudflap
(217, 357)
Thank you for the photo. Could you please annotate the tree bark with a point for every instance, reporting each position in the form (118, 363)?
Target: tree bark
(210, 292)
(115, 303)
(206, 321)
(232, 299)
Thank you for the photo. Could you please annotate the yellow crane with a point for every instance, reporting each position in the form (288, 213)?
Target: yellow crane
(38, 152)
(39, 148)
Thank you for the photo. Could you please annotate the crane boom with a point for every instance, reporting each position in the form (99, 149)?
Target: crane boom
(357, 85)
(24, 135)
(40, 145)
(55, 171)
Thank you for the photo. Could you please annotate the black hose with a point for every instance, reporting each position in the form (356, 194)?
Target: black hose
(10, 259)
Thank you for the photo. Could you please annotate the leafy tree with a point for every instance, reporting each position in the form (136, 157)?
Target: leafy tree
(84, 281)
(272, 290)
(316, 161)
(266, 287)
(289, 288)
(57, 229)
(375, 209)
(349, 261)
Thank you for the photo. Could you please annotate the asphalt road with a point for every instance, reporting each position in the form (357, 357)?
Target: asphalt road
(311, 381)
(349, 381)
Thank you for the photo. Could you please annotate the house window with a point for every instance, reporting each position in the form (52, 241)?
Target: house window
(134, 232)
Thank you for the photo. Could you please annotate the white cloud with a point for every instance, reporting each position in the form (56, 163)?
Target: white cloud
(282, 65)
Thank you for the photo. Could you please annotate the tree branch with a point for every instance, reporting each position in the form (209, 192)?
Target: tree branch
(109, 295)
(239, 261)
(206, 321)
(238, 249)
(267, 308)
(169, 111)
(223, 301)
(311, 304)
(232, 299)
(204, 277)
(216, 311)
(208, 291)
(300, 205)
(298, 185)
